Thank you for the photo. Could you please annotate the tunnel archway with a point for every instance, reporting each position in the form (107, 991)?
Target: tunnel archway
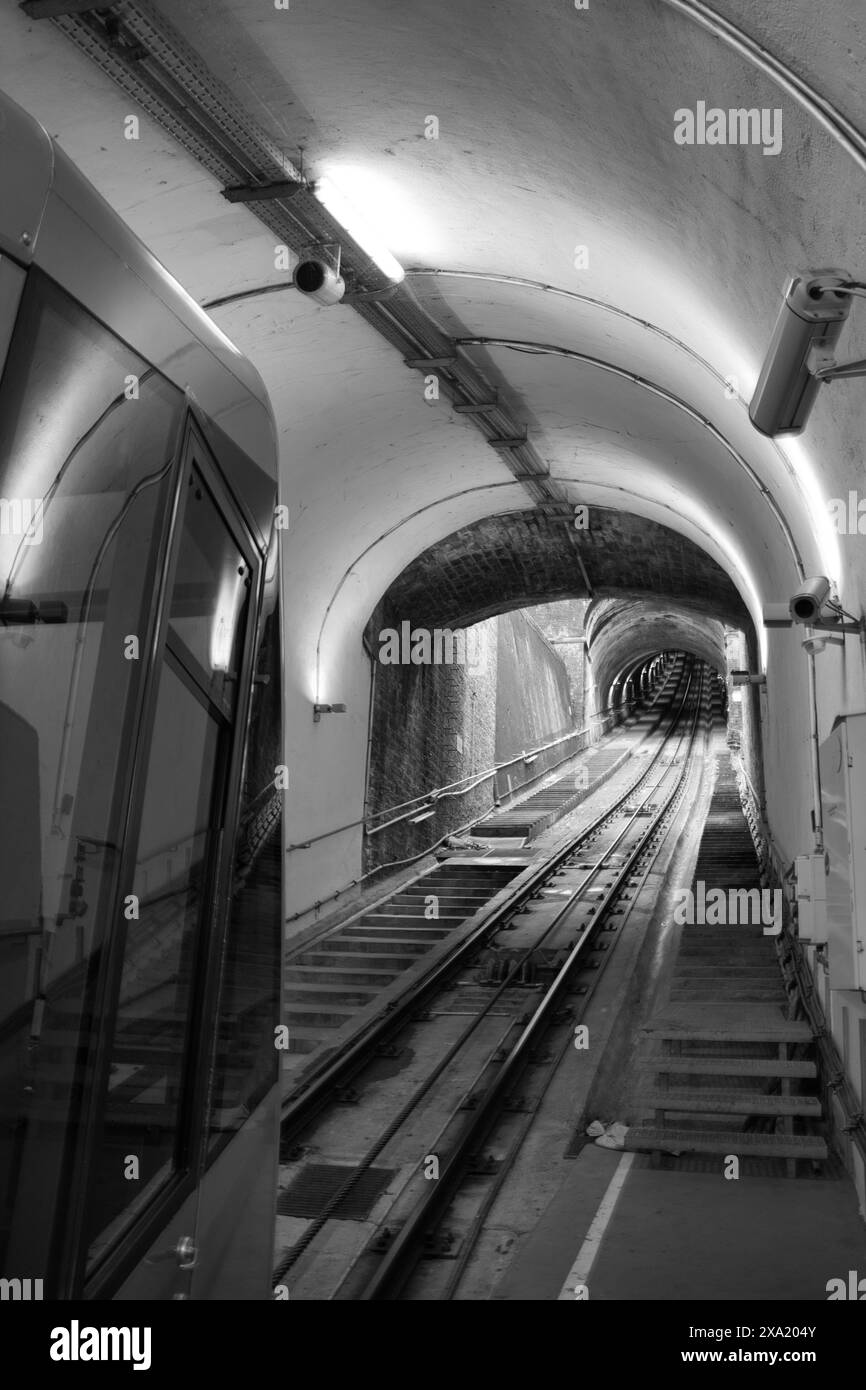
(625, 341)
(623, 589)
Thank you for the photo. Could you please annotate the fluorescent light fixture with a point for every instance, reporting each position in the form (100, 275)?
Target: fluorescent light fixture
(359, 229)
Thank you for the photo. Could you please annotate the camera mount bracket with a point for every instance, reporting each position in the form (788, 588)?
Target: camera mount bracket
(825, 367)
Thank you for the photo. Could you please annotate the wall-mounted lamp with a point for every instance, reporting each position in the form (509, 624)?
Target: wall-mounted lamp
(319, 710)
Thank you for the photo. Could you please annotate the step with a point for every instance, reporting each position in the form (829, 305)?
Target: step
(652, 1139)
(730, 941)
(731, 1030)
(744, 952)
(737, 971)
(733, 1066)
(466, 879)
(310, 974)
(358, 960)
(751, 939)
(445, 895)
(304, 1018)
(410, 915)
(736, 990)
(403, 945)
(408, 932)
(743, 931)
(328, 994)
(710, 1102)
(303, 1041)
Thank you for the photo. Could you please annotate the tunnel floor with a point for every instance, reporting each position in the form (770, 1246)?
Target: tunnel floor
(695, 1052)
(643, 1226)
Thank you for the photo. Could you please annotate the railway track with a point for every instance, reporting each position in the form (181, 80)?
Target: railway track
(342, 976)
(460, 1059)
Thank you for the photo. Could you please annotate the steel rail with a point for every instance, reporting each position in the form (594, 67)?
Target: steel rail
(395, 1023)
(399, 1260)
(325, 930)
(316, 1090)
(470, 1238)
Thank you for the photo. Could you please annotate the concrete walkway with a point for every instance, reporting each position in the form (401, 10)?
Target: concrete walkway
(676, 1236)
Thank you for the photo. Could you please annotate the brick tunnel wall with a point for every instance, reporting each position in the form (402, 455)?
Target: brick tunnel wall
(743, 712)
(435, 724)
(563, 625)
(532, 700)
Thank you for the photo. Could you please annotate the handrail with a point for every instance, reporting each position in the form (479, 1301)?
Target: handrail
(399, 863)
(477, 777)
(435, 793)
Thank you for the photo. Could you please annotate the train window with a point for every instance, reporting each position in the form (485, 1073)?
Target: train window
(246, 1060)
(138, 1150)
(211, 587)
(88, 435)
(151, 1114)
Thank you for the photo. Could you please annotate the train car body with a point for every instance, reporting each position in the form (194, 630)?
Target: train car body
(140, 815)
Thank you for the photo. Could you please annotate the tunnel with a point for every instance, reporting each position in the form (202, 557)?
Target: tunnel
(496, 287)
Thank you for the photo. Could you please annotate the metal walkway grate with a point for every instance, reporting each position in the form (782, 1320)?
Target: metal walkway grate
(308, 1194)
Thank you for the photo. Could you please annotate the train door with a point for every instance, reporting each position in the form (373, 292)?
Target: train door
(149, 1133)
(131, 592)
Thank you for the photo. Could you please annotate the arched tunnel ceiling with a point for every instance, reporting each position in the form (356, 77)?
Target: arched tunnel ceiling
(621, 631)
(556, 132)
(522, 558)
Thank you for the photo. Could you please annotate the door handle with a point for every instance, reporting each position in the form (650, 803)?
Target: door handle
(184, 1253)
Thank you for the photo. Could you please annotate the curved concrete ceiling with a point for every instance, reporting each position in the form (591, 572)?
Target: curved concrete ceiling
(618, 287)
(556, 131)
(554, 134)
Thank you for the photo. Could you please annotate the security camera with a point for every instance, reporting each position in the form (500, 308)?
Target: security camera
(808, 604)
(806, 332)
(813, 606)
(314, 277)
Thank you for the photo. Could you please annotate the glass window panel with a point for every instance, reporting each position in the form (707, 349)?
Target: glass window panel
(246, 1060)
(209, 594)
(145, 1087)
(150, 1112)
(85, 463)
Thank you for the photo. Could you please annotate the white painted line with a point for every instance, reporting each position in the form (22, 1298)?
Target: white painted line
(579, 1272)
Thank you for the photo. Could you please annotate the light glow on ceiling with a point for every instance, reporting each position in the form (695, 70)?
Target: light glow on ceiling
(375, 213)
(736, 567)
(817, 507)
